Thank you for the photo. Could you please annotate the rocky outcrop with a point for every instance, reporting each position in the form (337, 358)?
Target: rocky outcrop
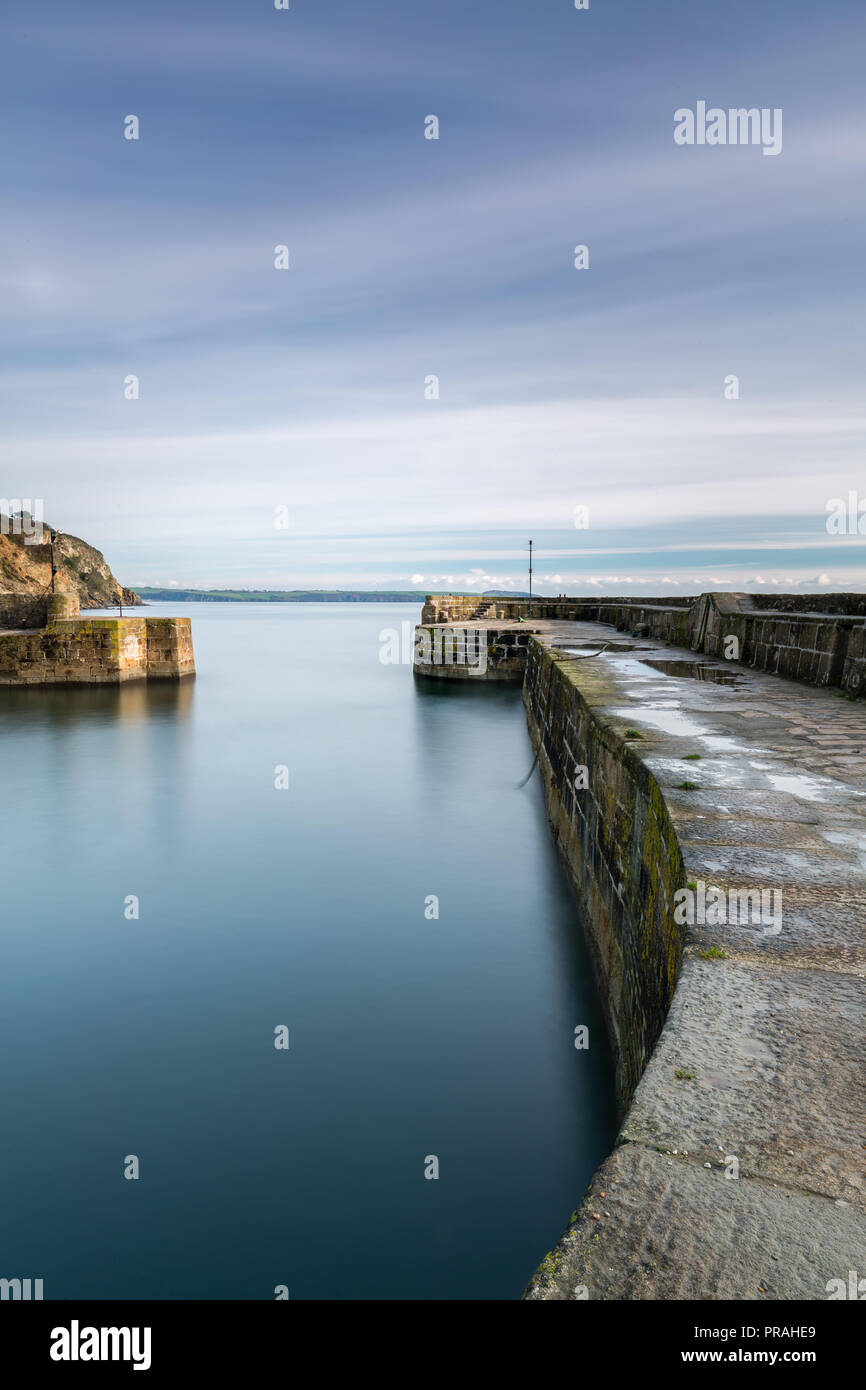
(25, 570)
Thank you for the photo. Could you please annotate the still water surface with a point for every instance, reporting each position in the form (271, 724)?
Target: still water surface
(409, 1037)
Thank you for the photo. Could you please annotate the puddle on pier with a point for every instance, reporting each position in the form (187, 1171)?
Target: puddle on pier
(694, 670)
(667, 719)
(799, 784)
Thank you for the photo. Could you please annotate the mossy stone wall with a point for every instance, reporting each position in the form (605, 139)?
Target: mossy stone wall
(620, 850)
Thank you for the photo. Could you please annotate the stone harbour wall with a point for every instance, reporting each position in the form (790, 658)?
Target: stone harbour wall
(615, 836)
(455, 608)
(169, 653)
(98, 651)
(23, 610)
(739, 1171)
(491, 653)
(794, 639)
(807, 646)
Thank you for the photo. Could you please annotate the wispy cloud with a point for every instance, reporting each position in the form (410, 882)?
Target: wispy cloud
(409, 257)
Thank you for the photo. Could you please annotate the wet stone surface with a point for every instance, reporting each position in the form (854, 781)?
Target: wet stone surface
(762, 1058)
(696, 671)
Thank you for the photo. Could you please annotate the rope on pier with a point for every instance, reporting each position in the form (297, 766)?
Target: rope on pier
(580, 656)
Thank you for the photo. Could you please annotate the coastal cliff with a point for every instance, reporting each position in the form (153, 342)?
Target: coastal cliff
(25, 567)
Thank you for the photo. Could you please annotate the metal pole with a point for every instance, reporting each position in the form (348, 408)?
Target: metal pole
(530, 579)
(53, 566)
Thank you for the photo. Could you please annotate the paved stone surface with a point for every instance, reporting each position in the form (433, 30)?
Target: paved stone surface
(654, 1226)
(765, 782)
(760, 1054)
(778, 794)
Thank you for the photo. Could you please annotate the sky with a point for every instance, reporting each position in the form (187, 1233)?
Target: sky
(283, 437)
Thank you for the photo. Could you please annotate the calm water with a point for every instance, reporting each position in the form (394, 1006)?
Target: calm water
(259, 907)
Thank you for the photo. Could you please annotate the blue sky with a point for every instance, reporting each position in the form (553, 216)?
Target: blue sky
(304, 389)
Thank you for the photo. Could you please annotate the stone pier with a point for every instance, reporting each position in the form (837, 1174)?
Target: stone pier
(712, 822)
(819, 639)
(91, 650)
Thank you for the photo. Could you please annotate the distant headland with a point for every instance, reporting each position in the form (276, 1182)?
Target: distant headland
(174, 594)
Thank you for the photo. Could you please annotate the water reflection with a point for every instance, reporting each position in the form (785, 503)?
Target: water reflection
(129, 702)
(694, 670)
